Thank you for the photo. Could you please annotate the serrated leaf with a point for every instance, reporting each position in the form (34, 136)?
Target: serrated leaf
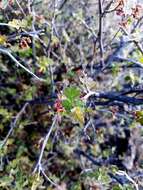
(16, 23)
(72, 93)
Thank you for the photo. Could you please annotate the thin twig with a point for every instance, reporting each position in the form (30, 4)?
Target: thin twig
(137, 24)
(6, 52)
(111, 10)
(101, 33)
(48, 179)
(123, 173)
(34, 37)
(13, 124)
(20, 8)
(38, 165)
(136, 42)
(130, 60)
(90, 30)
(100, 97)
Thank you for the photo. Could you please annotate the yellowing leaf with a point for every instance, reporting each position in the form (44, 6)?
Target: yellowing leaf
(78, 115)
(140, 120)
(17, 23)
(2, 39)
(139, 113)
(139, 116)
(37, 181)
(44, 62)
(55, 40)
(141, 60)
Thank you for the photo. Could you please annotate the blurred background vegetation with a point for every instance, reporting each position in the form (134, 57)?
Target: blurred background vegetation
(55, 55)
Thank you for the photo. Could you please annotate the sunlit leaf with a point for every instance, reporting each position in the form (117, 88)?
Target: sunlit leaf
(141, 60)
(78, 115)
(16, 23)
(3, 39)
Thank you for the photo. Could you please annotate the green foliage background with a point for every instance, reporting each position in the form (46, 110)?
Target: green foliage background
(56, 43)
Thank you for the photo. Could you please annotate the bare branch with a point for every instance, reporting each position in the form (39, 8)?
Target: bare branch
(101, 33)
(38, 165)
(99, 98)
(123, 173)
(6, 52)
(14, 124)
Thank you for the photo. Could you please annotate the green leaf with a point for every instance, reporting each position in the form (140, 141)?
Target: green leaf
(76, 186)
(79, 103)
(25, 52)
(67, 104)
(72, 93)
(117, 187)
